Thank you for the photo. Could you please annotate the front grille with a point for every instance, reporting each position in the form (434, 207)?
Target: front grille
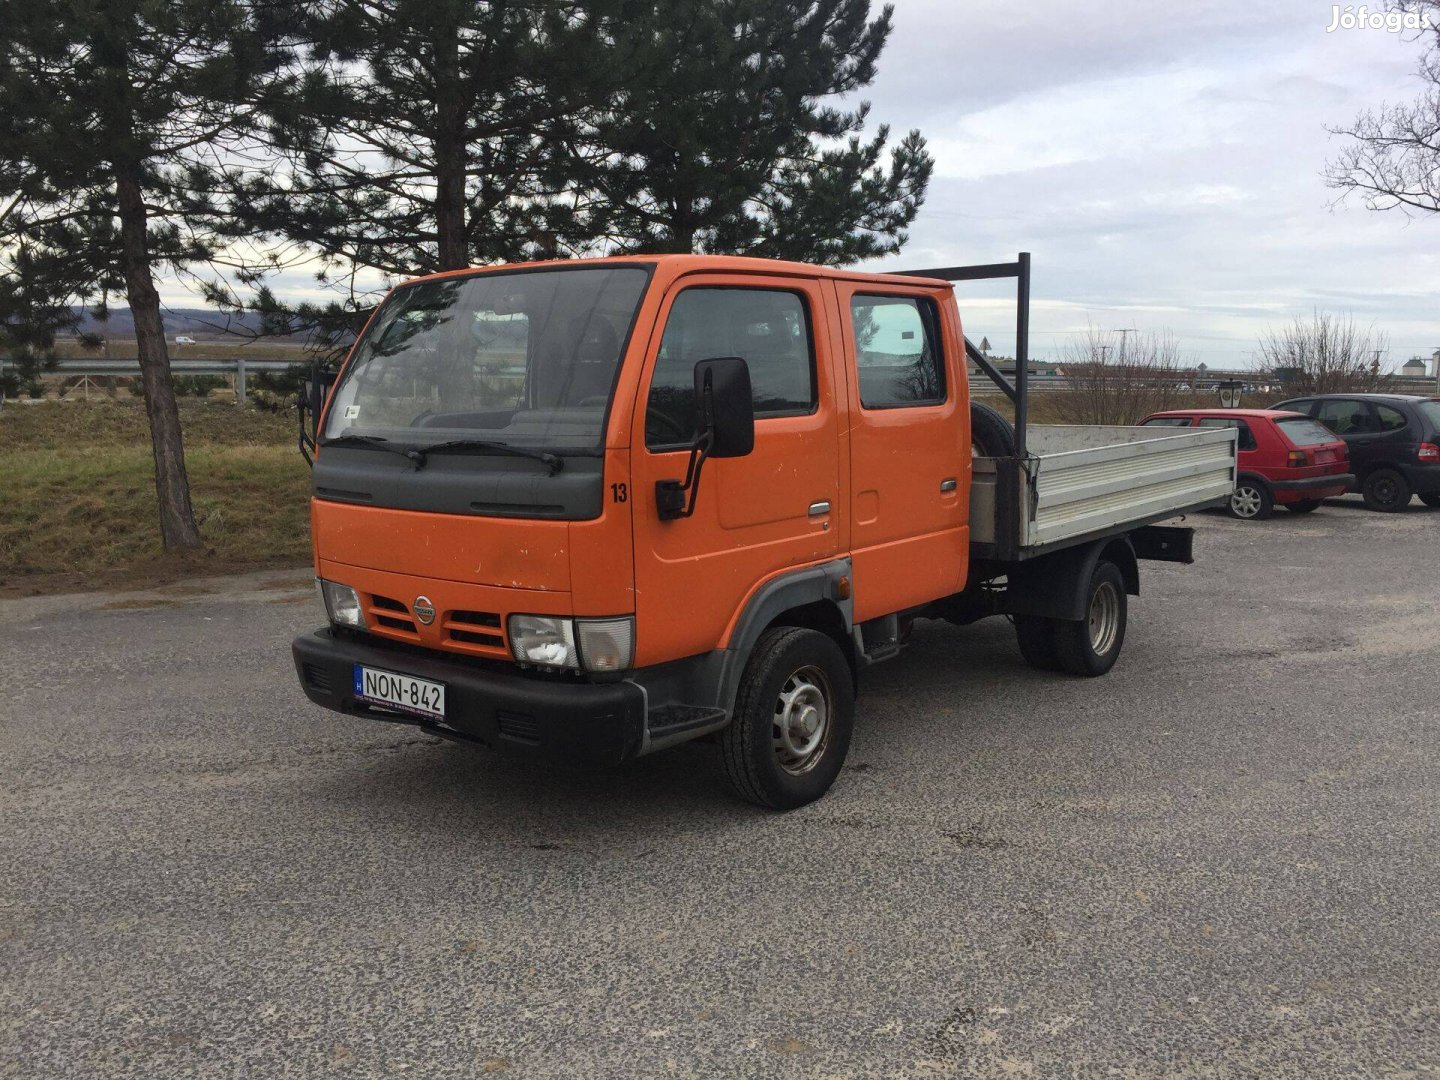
(390, 614)
(317, 678)
(474, 628)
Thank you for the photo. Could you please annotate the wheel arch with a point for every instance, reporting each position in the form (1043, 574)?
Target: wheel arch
(1054, 586)
(808, 598)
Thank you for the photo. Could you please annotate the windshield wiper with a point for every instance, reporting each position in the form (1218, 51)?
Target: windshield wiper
(379, 442)
(554, 461)
(417, 454)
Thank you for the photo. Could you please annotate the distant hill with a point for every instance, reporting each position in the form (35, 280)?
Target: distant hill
(203, 324)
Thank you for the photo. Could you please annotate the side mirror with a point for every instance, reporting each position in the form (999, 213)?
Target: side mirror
(725, 419)
(313, 393)
(726, 406)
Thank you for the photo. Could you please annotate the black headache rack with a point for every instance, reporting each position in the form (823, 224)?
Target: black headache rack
(1019, 391)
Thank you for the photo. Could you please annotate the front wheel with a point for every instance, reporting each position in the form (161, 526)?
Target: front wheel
(1090, 646)
(793, 716)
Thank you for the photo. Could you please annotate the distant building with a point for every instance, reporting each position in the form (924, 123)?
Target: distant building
(1414, 366)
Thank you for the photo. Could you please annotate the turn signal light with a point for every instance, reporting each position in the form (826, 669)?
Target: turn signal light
(1296, 459)
(1429, 452)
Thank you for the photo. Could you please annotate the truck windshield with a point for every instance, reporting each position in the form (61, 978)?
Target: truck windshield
(522, 358)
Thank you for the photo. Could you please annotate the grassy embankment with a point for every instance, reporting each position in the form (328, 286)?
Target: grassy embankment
(77, 495)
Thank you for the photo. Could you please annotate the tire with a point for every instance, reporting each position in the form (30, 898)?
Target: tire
(1386, 490)
(803, 673)
(1036, 637)
(1090, 646)
(991, 435)
(1304, 506)
(1251, 501)
(1431, 500)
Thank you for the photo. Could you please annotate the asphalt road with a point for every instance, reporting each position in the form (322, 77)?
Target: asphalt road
(1223, 859)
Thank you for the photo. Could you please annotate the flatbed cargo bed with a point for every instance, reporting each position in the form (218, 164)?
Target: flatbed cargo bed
(1078, 483)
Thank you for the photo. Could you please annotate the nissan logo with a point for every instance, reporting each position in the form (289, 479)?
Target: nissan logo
(424, 610)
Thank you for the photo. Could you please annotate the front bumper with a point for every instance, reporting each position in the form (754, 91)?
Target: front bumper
(1315, 487)
(528, 716)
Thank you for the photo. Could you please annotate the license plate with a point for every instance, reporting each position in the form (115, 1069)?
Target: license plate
(404, 692)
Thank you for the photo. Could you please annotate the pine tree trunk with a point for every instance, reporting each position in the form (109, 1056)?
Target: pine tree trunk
(172, 486)
(450, 150)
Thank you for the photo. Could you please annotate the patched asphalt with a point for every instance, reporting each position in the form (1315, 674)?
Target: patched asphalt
(1223, 859)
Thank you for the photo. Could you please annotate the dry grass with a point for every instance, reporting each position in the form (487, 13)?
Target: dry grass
(77, 495)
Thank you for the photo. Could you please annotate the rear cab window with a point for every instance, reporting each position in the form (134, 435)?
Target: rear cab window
(768, 328)
(1301, 432)
(898, 363)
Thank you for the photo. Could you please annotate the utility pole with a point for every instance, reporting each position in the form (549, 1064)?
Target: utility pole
(1123, 339)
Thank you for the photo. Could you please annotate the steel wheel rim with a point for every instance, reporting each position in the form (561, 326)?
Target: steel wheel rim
(1245, 502)
(1104, 618)
(800, 728)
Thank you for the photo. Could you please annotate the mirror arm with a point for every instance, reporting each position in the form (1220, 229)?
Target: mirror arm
(670, 495)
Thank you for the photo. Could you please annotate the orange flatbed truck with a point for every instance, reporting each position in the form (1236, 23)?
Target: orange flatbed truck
(583, 511)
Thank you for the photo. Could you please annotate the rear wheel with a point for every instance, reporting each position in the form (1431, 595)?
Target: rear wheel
(1386, 490)
(1090, 646)
(1251, 500)
(1036, 637)
(1432, 499)
(793, 716)
(1304, 506)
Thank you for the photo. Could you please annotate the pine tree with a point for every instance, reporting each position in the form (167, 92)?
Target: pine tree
(107, 112)
(727, 137)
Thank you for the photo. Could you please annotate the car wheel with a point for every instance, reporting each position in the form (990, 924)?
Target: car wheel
(1090, 646)
(1432, 499)
(1386, 490)
(1304, 506)
(1251, 500)
(1036, 637)
(793, 716)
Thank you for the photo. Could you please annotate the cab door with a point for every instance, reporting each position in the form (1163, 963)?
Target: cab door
(909, 448)
(775, 509)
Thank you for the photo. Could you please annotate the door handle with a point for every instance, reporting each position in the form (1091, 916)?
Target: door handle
(948, 484)
(819, 508)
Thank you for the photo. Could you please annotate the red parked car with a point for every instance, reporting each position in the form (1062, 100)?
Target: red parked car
(1285, 458)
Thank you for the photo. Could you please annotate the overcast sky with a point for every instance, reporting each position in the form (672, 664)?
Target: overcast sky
(1162, 164)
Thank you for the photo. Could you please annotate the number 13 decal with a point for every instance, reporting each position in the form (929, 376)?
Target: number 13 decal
(618, 493)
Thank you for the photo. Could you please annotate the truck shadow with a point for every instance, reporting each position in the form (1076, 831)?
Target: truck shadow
(932, 694)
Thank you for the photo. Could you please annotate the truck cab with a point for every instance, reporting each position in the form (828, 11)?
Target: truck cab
(583, 511)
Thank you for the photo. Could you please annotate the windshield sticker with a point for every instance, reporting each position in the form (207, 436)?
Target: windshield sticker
(352, 412)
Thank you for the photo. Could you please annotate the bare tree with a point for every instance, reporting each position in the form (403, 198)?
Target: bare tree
(1326, 354)
(1391, 159)
(1119, 378)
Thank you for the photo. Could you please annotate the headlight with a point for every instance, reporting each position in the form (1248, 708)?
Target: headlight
(543, 640)
(342, 604)
(597, 645)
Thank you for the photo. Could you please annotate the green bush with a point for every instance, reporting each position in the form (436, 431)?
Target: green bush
(197, 385)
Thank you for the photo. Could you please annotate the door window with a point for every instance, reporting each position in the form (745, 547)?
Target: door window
(897, 351)
(1347, 417)
(768, 328)
(1388, 418)
(1246, 438)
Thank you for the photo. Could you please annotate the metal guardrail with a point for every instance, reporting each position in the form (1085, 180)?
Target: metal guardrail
(238, 367)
